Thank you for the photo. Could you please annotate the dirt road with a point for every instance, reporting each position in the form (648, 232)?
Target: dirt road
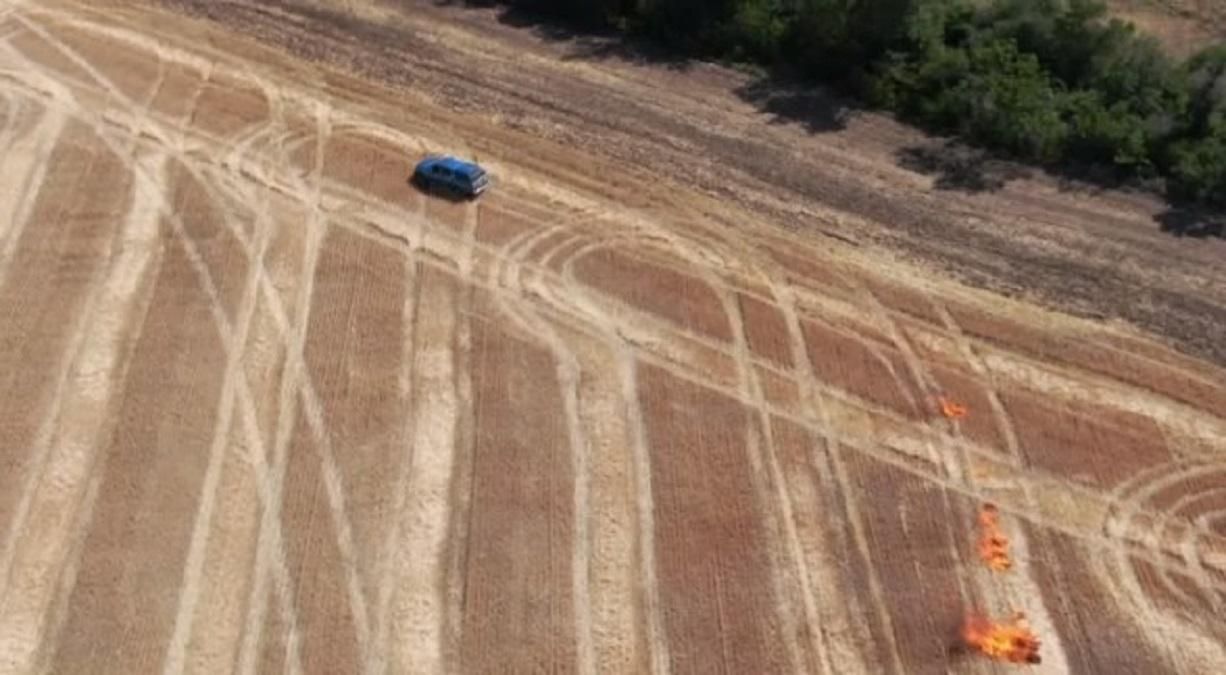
(268, 408)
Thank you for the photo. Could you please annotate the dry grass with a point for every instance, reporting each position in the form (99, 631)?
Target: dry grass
(1182, 26)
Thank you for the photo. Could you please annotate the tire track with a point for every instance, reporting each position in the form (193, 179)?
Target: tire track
(1188, 504)
(312, 409)
(1156, 535)
(616, 605)
(650, 341)
(967, 348)
(270, 550)
(397, 534)
(542, 296)
(26, 158)
(414, 596)
(568, 374)
(419, 598)
(463, 484)
(60, 611)
(787, 571)
(658, 647)
(216, 641)
(1010, 366)
(828, 467)
(1047, 481)
(41, 445)
(956, 467)
(58, 497)
(806, 561)
(606, 602)
(595, 320)
(202, 272)
(393, 545)
(236, 343)
(200, 269)
(1020, 587)
(1182, 641)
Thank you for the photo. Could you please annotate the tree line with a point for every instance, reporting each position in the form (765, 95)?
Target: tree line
(1057, 82)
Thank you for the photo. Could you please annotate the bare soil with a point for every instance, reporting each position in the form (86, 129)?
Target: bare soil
(1074, 247)
(664, 400)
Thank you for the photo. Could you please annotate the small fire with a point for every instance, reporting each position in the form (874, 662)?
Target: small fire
(993, 544)
(1010, 642)
(952, 409)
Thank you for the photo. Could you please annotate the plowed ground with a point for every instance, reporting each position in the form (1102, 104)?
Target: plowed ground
(267, 408)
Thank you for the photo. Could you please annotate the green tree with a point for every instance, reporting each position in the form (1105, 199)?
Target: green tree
(1199, 169)
(1046, 80)
(1198, 158)
(1007, 100)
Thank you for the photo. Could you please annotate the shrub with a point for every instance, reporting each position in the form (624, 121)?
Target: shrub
(1044, 80)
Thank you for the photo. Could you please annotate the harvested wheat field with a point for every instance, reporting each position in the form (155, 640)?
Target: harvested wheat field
(268, 408)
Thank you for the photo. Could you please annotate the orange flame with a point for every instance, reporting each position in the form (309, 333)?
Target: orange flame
(952, 409)
(1010, 642)
(993, 544)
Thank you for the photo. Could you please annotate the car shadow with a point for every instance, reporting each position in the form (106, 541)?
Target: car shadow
(429, 190)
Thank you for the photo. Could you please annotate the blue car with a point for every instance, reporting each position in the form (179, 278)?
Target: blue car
(457, 176)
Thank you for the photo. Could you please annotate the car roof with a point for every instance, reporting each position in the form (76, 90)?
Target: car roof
(457, 166)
